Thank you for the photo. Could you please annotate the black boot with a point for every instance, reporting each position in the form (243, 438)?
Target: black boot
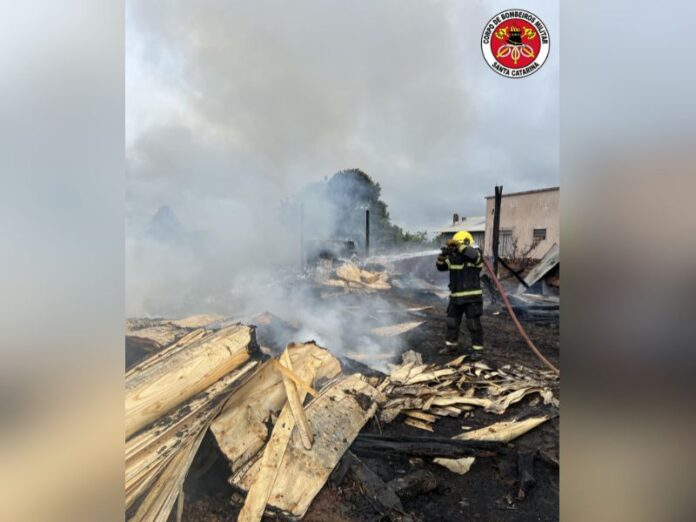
(475, 356)
(449, 349)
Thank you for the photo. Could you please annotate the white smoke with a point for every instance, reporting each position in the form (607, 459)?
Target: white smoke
(235, 106)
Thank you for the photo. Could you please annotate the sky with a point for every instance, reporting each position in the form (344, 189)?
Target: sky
(232, 106)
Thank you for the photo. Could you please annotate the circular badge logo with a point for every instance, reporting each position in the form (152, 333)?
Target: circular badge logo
(515, 43)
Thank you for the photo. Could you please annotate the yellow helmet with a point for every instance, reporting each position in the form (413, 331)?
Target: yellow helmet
(463, 237)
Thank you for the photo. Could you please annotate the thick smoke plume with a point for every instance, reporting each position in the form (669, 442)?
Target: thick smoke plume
(235, 107)
(279, 276)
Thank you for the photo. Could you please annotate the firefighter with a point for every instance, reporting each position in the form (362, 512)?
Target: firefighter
(464, 262)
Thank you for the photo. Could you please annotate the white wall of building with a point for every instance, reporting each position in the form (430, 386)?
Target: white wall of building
(520, 215)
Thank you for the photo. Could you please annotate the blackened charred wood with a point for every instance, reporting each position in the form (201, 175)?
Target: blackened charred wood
(339, 473)
(548, 459)
(525, 470)
(381, 496)
(414, 484)
(367, 233)
(496, 226)
(516, 274)
(385, 446)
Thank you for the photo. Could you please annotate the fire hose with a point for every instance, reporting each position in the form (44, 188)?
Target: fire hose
(520, 329)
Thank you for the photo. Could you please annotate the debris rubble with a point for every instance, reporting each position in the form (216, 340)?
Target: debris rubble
(290, 431)
(171, 399)
(218, 380)
(351, 278)
(426, 392)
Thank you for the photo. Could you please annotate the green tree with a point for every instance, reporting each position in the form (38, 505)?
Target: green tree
(335, 207)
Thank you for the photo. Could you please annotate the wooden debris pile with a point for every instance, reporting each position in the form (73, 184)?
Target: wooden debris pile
(284, 423)
(351, 278)
(423, 393)
(170, 400)
(281, 452)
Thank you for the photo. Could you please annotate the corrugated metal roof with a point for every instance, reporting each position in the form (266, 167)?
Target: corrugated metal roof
(551, 258)
(470, 224)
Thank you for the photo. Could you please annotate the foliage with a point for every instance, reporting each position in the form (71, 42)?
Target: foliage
(518, 256)
(335, 207)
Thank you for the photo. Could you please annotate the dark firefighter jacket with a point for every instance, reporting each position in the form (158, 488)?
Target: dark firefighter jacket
(465, 274)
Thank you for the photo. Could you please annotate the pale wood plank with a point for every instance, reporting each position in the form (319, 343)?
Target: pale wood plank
(260, 490)
(295, 402)
(240, 429)
(148, 452)
(159, 388)
(336, 417)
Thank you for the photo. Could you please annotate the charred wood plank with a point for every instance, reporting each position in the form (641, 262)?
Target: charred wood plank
(496, 226)
(338, 475)
(516, 274)
(548, 458)
(434, 446)
(381, 496)
(525, 470)
(414, 484)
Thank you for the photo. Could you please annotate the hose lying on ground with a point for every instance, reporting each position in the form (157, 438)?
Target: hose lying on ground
(516, 321)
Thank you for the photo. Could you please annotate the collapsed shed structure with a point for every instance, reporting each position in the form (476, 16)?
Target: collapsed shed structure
(538, 295)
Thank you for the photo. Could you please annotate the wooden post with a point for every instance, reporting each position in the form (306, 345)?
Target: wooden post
(367, 233)
(516, 274)
(496, 226)
(296, 404)
(302, 255)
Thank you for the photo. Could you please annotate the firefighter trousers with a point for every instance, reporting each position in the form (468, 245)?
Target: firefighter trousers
(473, 312)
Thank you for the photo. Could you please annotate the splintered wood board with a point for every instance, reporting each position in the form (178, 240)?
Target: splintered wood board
(336, 417)
(155, 358)
(418, 424)
(151, 449)
(240, 429)
(421, 415)
(161, 387)
(257, 496)
(503, 431)
(157, 504)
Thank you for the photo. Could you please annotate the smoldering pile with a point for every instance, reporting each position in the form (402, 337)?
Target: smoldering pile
(423, 393)
(280, 451)
(287, 424)
(350, 277)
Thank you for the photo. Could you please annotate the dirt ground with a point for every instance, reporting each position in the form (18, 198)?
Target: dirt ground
(486, 493)
(481, 493)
